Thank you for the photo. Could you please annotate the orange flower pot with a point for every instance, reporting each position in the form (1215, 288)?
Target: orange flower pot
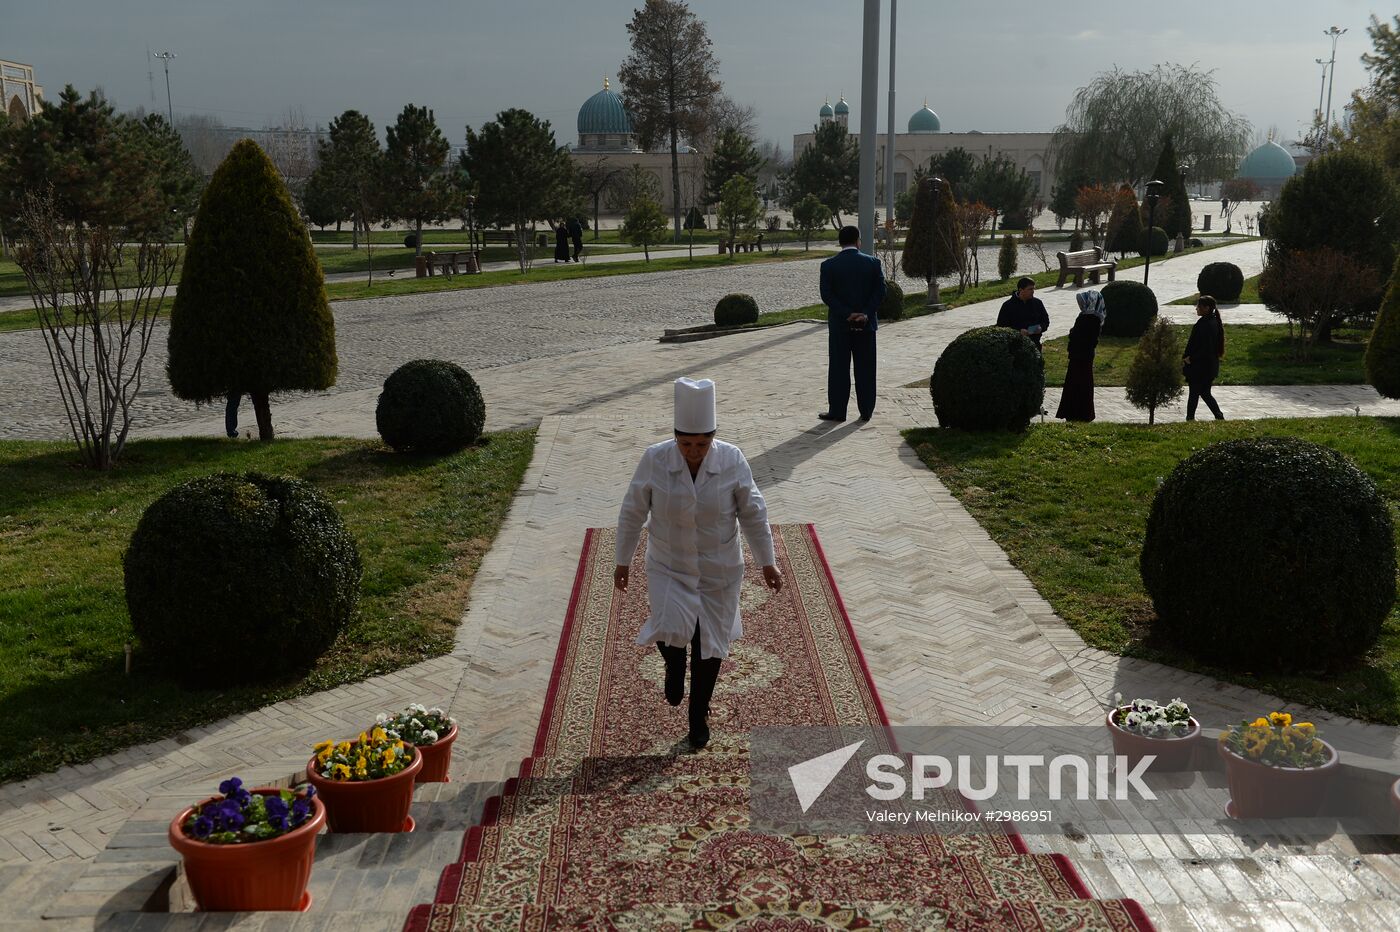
(368, 805)
(1173, 754)
(437, 758)
(1258, 791)
(253, 876)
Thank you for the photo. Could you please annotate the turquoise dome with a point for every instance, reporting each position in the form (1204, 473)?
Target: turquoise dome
(604, 113)
(842, 107)
(1269, 162)
(924, 121)
(826, 112)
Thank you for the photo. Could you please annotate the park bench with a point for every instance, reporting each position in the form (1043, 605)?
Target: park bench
(449, 263)
(498, 237)
(1092, 260)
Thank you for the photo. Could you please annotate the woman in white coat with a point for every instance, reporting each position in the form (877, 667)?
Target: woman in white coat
(698, 492)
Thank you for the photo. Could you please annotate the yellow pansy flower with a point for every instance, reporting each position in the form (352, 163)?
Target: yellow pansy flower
(378, 735)
(324, 746)
(1260, 723)
(343, 747)
(1280, 718)
(1306, 729)
(340, 772)
(388, 756)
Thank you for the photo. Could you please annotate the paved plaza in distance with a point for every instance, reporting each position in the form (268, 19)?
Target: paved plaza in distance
(952, 632)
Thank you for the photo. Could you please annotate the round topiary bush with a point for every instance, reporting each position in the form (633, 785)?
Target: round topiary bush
(240, 578)
(736, 310)
(430, 406)
(892, 308)
(1269, 553)
(1195, 243)
(989, 378)
(1223, 281)
(1156, 239)
(1131, 307)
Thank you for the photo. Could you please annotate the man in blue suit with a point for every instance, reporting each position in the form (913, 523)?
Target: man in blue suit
(853, 285)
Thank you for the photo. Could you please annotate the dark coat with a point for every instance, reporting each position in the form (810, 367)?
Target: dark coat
(561, 242)
(575, 231)
(1022, 315)
(1084, 337)
(852, 283)
(1203, 348)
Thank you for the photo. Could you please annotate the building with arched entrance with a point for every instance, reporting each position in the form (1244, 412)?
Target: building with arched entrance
(20, 97)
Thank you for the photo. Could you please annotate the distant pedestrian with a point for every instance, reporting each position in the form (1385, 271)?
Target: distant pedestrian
(1201, 360)
(561, 242)
(1077, 398)
(1224, 206)
(1025, 312)
(576, 234)
(231, 414)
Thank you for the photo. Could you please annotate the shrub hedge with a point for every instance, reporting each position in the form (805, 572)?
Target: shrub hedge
(430, 406)
(1156, 238)
(736, 310)
(1223, 281)
(989, 378)
(1269, 553)
(240, 578)
(1131, 307)
(892, 308)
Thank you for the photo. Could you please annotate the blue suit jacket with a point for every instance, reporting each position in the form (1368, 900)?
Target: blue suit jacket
(852, 283)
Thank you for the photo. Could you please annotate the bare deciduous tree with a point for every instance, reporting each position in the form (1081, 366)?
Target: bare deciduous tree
(97, 292)
(1311, 287)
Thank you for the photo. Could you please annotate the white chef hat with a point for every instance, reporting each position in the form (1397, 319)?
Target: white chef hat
(695, 406)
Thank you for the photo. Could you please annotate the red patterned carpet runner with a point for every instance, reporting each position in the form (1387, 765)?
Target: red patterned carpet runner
(613, 823)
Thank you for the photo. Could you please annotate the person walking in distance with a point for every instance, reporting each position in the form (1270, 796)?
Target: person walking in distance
(852, 287)
(576, 236)
(694, 493)
(1201, 359)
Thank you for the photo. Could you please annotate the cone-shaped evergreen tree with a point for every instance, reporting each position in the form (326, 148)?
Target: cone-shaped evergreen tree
(1177, 217)
(1383, 352)
(251, 313)
(932, 248)
(1154, 378)
(1125, 223)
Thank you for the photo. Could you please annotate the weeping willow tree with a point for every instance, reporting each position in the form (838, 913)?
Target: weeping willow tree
(1115, 126)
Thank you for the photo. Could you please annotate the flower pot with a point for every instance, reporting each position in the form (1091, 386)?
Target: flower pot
(370, 805)
(1258, 791)
(437, 758)
(257, 875)
(1173, 755)
(1395, 796)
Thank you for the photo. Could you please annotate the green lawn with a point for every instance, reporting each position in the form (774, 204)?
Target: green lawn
(1069, 506)
(1255, 354)
(422, 526)
(1248, 295)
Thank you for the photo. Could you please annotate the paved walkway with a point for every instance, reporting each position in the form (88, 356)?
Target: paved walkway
(952, 632)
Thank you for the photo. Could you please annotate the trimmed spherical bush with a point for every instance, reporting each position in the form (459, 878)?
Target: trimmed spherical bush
(1157, 239)
(240, 578)
(1269, 553)
(736, 310)
(430, 406)
(1131, 307)
(1223, 281)
(892, 308)
(989, 378)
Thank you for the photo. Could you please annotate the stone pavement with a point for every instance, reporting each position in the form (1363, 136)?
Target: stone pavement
(953, 633)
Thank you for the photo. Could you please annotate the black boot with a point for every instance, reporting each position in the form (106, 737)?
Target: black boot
(703, 674)
(675, 672)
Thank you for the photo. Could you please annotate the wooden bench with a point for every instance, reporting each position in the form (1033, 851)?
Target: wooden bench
(449, 263)
(498, 237)
(1090, 260)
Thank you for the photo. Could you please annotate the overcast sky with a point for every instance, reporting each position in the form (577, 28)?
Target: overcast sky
(1010, 65)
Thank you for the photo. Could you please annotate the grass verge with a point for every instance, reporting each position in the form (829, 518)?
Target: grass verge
(1255, 354)
(1076, 530)
(422, 526)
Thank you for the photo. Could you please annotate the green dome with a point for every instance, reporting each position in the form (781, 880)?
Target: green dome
(604, 113)
(826, 112)
(842, 107)
(1269, 162)
(924, 121)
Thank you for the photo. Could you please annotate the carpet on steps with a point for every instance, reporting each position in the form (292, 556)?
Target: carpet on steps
(612, 823)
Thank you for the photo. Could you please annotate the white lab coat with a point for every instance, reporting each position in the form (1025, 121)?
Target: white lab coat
(695, 564)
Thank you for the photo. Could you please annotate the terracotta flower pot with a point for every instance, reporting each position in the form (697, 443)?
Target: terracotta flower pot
(1258, 791)
(1173, 754)
(253, 876)
(368, 805)
(1395, 796)
(437, 758)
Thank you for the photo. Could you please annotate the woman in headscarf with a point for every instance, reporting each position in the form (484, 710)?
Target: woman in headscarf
(1201, 358)
(1077, 398)
(698, 492)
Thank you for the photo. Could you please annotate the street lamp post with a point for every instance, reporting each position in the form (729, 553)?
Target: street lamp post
(1186, 170)
(1154, 194)
(935, 302)
(1335, 34)
(471, 233)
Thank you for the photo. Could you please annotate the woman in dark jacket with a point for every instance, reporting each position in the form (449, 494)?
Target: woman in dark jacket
(1202, 357)
(561, 242)
(1077, 398)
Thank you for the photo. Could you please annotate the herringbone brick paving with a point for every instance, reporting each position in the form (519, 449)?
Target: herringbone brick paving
(953, 633)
